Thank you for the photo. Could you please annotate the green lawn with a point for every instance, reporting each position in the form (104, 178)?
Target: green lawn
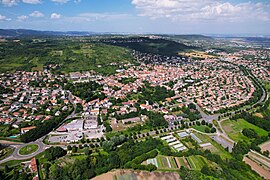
(28, 149)
(200, 128)
(6, 152)
(13, 163)
(217, 125)
(234, 128)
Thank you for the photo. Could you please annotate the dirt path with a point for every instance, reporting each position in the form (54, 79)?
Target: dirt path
(186, 163)
(254, 166)
(178, 164)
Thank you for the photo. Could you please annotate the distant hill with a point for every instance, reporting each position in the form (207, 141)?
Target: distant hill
(147, 45)
(27, 32)
(189, 37)
(71, 55)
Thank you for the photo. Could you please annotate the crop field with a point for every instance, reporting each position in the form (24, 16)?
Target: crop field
(234, 128)
(196, 162)
(173, 163)
(138, 175)
(198, 54)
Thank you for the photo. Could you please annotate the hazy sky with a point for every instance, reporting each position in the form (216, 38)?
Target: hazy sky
(139, 16)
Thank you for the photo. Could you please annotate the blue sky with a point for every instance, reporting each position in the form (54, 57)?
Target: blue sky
(139, 16)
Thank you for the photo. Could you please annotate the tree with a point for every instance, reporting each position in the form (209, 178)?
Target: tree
(251, 133)
(203, 122)
(69, 147)
(207, 130)
(87, 151)
(266, 153)
(213, 130)
(54, 152)
(192, 106)
(74, 149)
(99, 120)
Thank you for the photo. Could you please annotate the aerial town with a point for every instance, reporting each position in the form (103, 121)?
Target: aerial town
(134, 90)
(183, 102)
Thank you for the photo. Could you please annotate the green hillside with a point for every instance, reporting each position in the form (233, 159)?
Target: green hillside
(154, 46)
(71, 55)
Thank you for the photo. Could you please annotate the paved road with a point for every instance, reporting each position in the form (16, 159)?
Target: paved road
(41, 146)
(206, 117)
(17, 156)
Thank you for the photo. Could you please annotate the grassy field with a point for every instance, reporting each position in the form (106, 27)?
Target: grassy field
(13, 163)
(234, 128)
(28, 149)
(6, 152)
(200, 128)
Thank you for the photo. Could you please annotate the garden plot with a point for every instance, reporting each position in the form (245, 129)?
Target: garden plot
(152, 161)
(164, 162)
(195, 138)
(196, 162)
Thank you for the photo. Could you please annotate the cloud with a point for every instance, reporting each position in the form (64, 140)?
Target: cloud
(60, 1)
(36, 14)
(9, 3)
(32, 1)
(4, 18)
(197, 10)
(92, 17)
(98, 16)
(55, 16)
(22, 18)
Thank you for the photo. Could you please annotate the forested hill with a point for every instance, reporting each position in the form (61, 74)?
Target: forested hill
(70, 55)
(148, 45)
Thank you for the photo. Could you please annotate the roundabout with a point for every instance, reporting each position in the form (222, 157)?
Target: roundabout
(28, 149)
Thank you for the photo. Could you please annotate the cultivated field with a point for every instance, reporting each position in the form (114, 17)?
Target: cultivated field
(256, 167)
(197, 54)
(174, 163)
(137, 175)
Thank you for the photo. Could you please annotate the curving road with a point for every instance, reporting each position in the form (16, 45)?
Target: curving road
(209, 118)
(17, 156)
